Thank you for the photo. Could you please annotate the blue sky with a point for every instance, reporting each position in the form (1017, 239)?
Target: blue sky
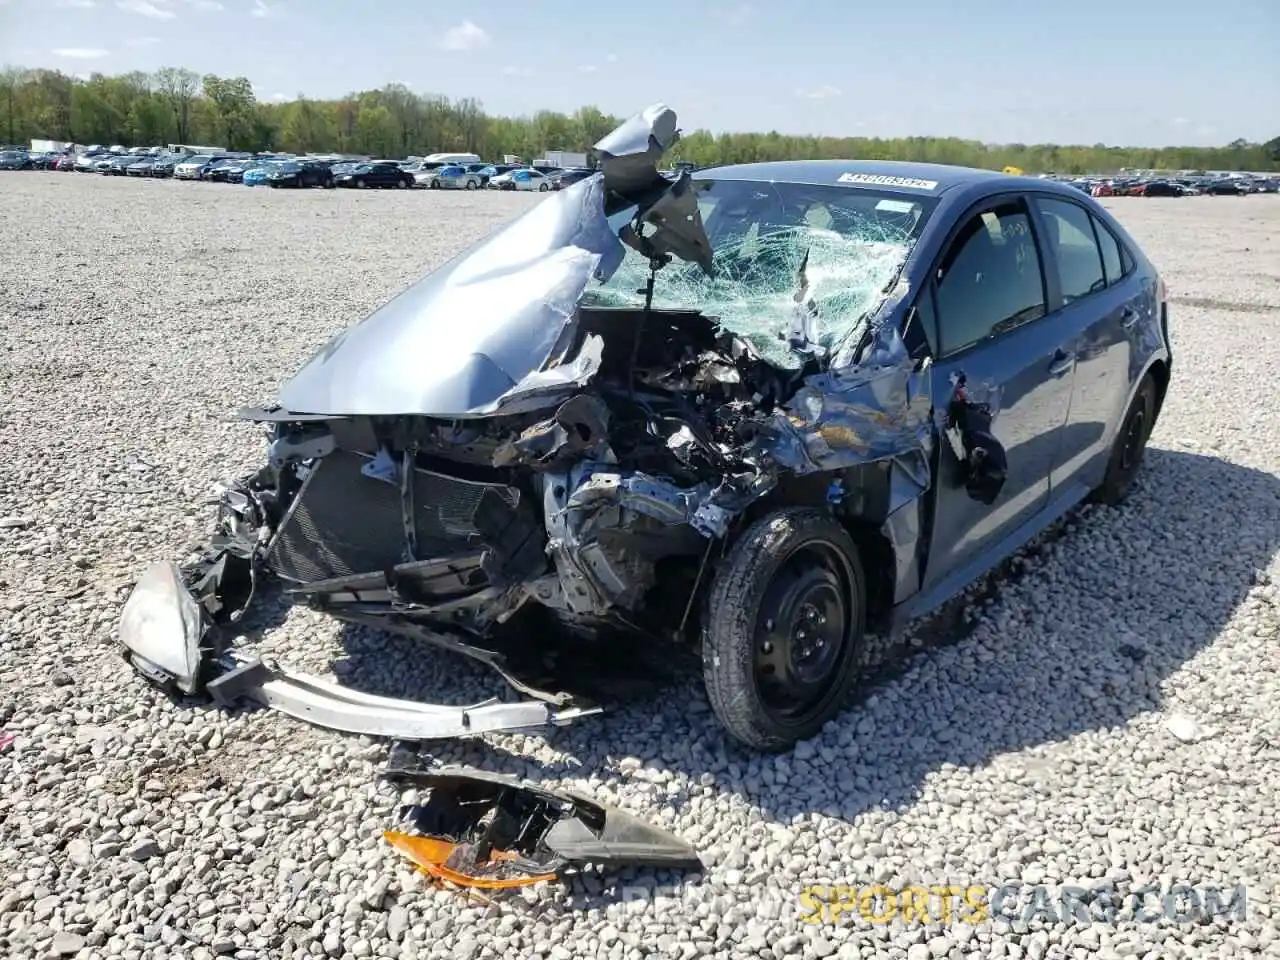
(1138, 72)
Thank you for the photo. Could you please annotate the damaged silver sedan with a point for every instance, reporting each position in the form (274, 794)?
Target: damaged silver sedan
(755, 410)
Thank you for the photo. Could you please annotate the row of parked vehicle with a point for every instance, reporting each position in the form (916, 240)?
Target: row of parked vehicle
(1232, 185)
(462, 173)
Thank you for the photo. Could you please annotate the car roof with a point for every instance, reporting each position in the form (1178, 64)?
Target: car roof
(943, 176)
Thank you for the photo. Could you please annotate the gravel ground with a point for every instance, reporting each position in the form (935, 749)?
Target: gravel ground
(1109, 714)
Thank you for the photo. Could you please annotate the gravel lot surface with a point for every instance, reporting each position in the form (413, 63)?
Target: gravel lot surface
(1111, 714)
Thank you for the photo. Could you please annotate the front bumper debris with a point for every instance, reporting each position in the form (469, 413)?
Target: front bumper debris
(169, 638)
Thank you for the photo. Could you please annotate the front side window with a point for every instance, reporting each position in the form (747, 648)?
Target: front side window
(1073, 248)
(990, 279)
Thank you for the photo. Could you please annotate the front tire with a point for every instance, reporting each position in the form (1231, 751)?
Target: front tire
(543, 188)
(1129, 445)
(782, 637)
(360, 184)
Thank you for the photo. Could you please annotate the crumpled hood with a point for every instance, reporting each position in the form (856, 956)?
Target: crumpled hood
(459, 339)
(478, 331)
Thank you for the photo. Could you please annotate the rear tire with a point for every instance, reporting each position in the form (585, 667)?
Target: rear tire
(782, 637)
(1129, 445)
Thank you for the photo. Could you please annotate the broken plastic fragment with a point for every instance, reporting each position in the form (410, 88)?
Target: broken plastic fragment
(436, 858)
(492, 832)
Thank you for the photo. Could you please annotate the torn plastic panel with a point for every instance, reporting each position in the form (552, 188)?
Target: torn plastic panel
(489, 831)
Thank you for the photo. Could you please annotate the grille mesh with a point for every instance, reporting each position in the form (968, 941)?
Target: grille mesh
(345, 523)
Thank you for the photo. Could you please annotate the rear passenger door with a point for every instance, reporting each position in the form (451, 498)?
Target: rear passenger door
(1091, 305)
(984, 312)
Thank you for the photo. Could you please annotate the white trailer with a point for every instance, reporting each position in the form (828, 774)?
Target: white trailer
(51, 146)
(564, 159)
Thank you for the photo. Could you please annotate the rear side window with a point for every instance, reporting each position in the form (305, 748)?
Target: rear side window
(1073, 247)
(990, 279)
(1110, 248)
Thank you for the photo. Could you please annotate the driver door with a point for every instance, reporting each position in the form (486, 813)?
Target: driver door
(984, 311)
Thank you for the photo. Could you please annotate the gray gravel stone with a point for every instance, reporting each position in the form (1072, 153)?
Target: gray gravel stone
(1032, 745)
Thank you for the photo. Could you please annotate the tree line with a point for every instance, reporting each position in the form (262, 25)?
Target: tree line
(175, 105)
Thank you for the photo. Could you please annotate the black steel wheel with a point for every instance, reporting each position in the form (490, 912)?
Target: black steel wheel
(1129, 445)
(782, 638)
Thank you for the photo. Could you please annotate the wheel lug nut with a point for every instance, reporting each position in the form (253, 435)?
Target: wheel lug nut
(766, 647)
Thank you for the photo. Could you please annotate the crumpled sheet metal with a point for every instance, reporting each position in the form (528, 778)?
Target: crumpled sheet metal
(473, 335)
(876, 410)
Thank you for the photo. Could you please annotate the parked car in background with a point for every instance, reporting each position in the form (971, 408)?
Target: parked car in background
(522, 179)
(118, 165)
(192, 168)
(566, 178)
(300, 173)
(15, 160)
(65, 162)
(83, 163)
(163, 166)
(141, 168)
(255, 175)
(222, 172)
(217, 164)
(454, 178)
(1227, 187)
(43, 160)
(489, 171)
(379, 174)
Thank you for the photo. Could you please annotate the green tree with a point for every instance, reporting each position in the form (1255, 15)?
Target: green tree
(173, 104)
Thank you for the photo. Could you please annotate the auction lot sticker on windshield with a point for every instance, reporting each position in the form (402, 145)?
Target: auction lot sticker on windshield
(882, 180)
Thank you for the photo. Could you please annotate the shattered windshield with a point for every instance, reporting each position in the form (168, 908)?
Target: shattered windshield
(797, 266)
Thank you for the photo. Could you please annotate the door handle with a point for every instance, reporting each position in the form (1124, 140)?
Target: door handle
(1062, 363)
(1128, 317)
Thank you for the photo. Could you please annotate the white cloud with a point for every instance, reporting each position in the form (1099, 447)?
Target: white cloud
(144, 8)
(143, 41)
(736, 16)
(588, 68)
(211, 6)
(1181, 121)
(77, 4)
(610, 58)
(280, 97)
(82, 53)
(262, 10)
(825, 92)
(513, 71)
(465, 36)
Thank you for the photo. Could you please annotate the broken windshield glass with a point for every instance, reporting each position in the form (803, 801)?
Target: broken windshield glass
(796, 266)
